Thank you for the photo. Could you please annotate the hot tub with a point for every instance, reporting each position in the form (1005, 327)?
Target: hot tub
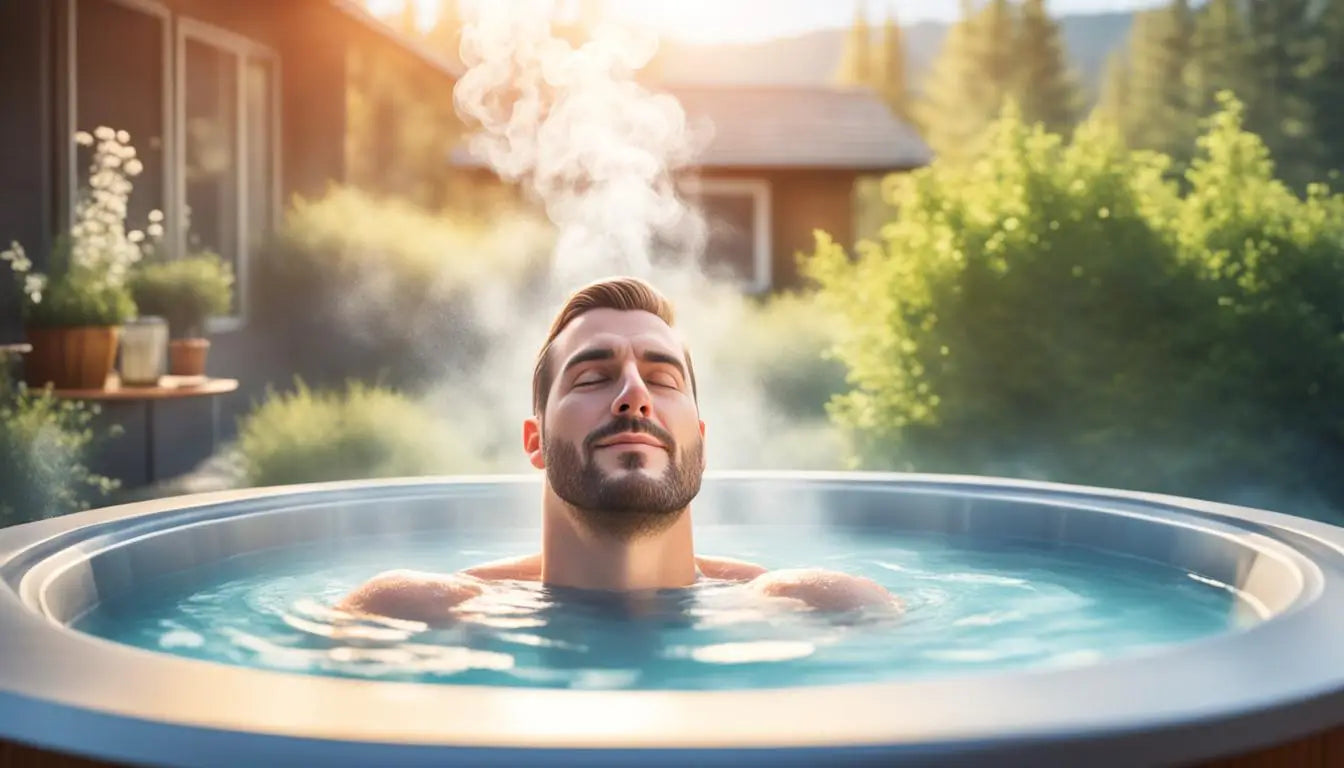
(1276, 684)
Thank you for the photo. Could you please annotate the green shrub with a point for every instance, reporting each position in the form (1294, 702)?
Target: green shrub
(355, 286)
(1060, 311)
(186, 292)
(785, 342)
(43, 444)
(361, 432)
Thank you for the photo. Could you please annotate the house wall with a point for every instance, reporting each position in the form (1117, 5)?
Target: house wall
(25, 142)
(801, 201)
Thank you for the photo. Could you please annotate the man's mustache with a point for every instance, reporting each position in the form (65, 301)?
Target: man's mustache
(627, 424)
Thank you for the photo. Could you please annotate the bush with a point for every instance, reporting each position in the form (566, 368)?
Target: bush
(1060, 311)
(186, 292)
(360, 287)
(361, 432)
(785, 342)
(43, 443)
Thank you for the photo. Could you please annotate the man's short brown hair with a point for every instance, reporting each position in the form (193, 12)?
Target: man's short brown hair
(620, 293)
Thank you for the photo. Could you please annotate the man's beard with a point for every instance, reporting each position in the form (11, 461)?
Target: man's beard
(629, 507)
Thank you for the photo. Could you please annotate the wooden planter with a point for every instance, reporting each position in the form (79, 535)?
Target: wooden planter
(186, 357)
(71, 358)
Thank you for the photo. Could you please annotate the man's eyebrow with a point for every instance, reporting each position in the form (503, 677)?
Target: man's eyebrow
(653, 356)
(588, 355)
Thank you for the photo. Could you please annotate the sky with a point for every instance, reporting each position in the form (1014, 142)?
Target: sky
(719, 21)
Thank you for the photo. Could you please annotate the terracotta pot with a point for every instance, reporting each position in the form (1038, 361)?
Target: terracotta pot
(186, 357)
(71, 358)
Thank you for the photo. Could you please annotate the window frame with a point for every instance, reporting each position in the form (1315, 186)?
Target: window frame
(68, 117)
(759, 190)
(243, 50)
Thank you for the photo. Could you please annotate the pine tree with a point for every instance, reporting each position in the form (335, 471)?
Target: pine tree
(972, 79)
(1221, 48)
(888, 68)
(1160, 115)
(1325, 88)
(1046, 90)
(1113, 105)
(856, 62)
(1281, 34)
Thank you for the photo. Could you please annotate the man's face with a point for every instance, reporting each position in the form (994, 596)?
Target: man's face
(621, 439)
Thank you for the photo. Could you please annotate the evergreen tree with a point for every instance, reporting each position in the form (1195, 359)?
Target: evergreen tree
(972, 78)
(856, 62)
(1221, 48)
(1046, 90)
(1281, 35)
(1160, 115)
(888, 68)
(1113, 105)
(445, 37)
(1325, 88)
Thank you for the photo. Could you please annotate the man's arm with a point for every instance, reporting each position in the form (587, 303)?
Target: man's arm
(826, 590)
(411, 595)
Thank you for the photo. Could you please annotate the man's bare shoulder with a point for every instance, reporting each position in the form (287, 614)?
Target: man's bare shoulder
(522, 568)
(729, 569)
(412, 595)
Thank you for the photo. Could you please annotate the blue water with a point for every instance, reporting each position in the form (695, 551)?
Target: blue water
(972, 607)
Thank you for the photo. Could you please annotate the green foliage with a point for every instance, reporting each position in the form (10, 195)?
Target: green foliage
(43, 444)
(356, 286)
(1064, 311)
(996, 54)
(361, 432)
(75, 299)
(786, 342)
(186, 292)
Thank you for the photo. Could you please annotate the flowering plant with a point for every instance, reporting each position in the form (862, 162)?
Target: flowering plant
(85, 283)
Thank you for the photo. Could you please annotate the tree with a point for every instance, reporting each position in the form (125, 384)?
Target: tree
(1221, 62)
(1159, 113)
(1325, 87)
(1046, 90)
(856, 61)
(972, 79)
(1113, 105)
(445, 37)
(888, 68)
(1281, 34)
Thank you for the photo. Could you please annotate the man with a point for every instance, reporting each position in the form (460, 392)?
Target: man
(616, 428)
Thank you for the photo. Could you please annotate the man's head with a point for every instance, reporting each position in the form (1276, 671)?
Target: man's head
(615, 423)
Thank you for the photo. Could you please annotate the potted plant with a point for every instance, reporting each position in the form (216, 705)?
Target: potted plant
(73, 312)
(186, 292)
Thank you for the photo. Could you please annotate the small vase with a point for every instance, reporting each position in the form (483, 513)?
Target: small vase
(71, 358)
(144, 342)
(186, 357)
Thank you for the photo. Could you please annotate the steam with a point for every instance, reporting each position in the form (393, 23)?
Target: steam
(601, 154)
(582, 136)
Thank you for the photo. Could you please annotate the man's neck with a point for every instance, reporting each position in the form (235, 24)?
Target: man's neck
(572, 556)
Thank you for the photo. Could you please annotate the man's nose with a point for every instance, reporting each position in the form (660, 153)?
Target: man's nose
(634, 399)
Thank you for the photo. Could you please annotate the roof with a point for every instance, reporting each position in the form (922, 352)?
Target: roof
(779, 126)
(801, 127)
(356, 11)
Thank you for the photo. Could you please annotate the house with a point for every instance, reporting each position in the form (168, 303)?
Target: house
(781, 162)
(233, 106)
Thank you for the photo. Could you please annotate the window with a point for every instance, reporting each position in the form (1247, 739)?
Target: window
(201, 105)
(737, 216)
(122, 82)
(226, 129)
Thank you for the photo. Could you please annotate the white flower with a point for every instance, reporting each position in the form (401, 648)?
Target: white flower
(83, 138)
(135, 236)
(111, 161)
(103, 133)
(156, 216)
(134, 167)
(123, 136)
(154, 230)
(33, 285)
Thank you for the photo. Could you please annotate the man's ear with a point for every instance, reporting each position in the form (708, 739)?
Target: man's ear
(532, 442)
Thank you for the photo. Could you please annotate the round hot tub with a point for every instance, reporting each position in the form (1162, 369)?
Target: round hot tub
(1045, 625)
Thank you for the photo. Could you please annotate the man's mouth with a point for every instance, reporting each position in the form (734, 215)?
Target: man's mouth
(630, 438)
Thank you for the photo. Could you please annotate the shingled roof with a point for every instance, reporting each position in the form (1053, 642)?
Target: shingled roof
(772, 126)
(801, 127)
